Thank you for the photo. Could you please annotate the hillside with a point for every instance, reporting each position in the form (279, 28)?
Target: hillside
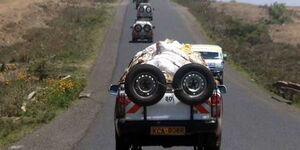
(248, 13)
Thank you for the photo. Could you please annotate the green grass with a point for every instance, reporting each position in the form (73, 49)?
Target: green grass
(67, 46)
(250, 48)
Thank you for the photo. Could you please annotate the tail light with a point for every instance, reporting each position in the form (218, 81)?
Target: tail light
(216, 105)
(123, 99)
(150, 33)
(134, 33)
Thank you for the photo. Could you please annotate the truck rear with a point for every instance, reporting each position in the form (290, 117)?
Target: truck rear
(152, 110)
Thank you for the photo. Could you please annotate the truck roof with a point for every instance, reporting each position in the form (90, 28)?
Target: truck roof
(143, 22)
(206, 48)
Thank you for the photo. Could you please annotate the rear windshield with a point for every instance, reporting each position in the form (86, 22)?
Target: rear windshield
(210, 55)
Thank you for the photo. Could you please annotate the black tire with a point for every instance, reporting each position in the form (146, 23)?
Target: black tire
(221, 79)
(134, 39)
(144, 85)
(121, 143)
(138, 28)
(148, 9)
(213, 142)
(150, 40)
(137, 5)
(193, 84)
(147, 28)
(141, 9)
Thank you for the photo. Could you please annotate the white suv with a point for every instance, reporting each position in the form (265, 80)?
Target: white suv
(214, 57)
(144, 12)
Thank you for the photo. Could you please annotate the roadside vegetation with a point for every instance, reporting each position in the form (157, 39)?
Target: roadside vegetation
(250, 42)
(43, 75)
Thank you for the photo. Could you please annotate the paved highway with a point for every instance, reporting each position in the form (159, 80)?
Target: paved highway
(252, 121)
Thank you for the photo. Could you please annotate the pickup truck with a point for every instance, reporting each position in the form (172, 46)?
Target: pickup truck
(153, 111)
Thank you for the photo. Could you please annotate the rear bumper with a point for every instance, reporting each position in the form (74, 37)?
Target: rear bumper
(138, 132)
(142, 37)
(192, 127)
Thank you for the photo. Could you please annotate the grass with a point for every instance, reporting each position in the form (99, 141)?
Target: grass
(249, 45)
(67, 46)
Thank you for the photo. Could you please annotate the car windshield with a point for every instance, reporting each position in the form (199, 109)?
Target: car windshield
(210, 55)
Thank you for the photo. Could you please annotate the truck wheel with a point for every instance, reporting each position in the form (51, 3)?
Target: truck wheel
(221, 79)
(193, 84)
(120, 143)
(145, 84)
(133, 39)
(213, 142)
(150, 40)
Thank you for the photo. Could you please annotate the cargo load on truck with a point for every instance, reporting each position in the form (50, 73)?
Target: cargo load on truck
(168, 56)
(168, 65)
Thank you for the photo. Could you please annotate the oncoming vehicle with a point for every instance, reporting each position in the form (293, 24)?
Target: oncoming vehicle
(142, 30)
(144, 11)
(152, 110)
(214, 57)
(138, 2)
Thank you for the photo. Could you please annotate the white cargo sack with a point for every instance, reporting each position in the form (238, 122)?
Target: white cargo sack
(168, 56)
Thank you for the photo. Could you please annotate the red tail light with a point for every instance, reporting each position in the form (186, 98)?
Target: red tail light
(134, 33)
(150, 32)
(215, 99)
(216, 102)
(123, 100)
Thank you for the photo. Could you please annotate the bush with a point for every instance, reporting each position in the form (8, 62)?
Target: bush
(41, 68)
(279, 14)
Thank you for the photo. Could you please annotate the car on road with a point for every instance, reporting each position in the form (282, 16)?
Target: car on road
(142, 30)
(138, 2)
(153, 111)
(144, 11)
(214, 57)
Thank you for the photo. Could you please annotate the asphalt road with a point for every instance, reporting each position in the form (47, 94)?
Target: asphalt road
(252, 121)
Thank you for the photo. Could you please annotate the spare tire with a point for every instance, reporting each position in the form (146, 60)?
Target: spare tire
(193, 84)
(148, 9)
(138, 28)
(147, 27)
(141, 9)
(145, 84)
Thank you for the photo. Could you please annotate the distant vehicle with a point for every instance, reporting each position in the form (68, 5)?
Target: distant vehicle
(142, 30)
(145, 11)
(214, 57)
(153, 111)
(138, 2)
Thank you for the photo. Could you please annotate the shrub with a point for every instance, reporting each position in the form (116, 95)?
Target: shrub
(41, 68)
(279, 14)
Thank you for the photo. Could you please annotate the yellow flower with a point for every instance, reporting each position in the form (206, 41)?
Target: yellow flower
(7, 81)
(21, 76)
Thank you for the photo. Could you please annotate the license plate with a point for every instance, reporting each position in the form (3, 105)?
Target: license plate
(167, 131)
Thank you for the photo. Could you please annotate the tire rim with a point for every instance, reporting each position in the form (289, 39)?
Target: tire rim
(148, 9)
(145, 84)
(194, 83)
